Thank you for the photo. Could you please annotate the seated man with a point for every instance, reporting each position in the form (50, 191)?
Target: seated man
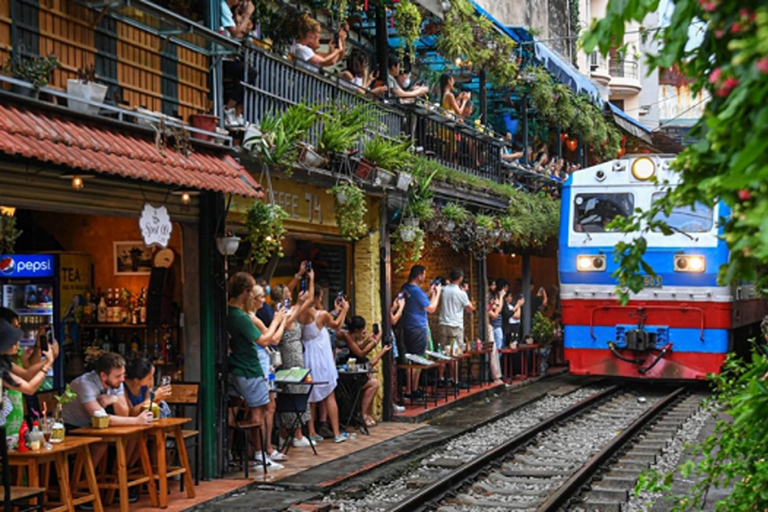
(394, 84)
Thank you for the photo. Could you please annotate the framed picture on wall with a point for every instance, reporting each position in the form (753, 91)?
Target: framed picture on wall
(132, 259)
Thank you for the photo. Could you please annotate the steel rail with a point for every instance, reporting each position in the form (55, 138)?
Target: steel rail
(421, 498)
(571, 486)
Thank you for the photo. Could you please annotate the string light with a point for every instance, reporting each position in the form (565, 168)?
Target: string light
(77, 182)
(185, 198)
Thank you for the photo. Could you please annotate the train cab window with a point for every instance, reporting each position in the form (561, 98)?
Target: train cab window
(593, 212)
(698, 218)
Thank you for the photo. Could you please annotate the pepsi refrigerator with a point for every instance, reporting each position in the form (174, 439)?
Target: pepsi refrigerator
(48, 289)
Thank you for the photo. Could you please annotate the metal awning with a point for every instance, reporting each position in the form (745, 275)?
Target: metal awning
(630, 124)
(567, 74)
(166, 24)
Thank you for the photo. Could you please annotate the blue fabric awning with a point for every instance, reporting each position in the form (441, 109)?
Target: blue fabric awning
(630, 124)
(566, 73)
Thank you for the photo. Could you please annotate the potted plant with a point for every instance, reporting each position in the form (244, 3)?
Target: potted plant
(85, 88)
(386, 155)
(264, 223)
(408, 25)
(228, 244)
(543, 329)
(453, 214)
(8, 233)
(350, 208)
(407, 245)
(342, 128)
(35, 70)
(276, 142)
(207, 122)
(58, 432)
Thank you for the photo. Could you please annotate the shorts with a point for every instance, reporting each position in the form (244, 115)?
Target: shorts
(415, 340)
(446, 334)
(254, 390)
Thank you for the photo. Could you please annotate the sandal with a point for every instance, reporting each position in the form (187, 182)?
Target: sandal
(276, 455)
(370, 422)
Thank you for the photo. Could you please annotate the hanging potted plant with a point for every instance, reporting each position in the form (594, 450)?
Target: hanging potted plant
(8, 234)
(407, 20)
(85, 88)
(453, 214)
(350, 208)
(264, 223)
(35, 70)
(407, 246)
(228, 244)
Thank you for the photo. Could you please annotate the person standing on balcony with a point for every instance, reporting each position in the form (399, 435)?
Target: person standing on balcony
(394, 85)
(309, 41)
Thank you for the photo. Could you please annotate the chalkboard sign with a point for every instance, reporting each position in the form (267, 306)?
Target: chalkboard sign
(330, 265)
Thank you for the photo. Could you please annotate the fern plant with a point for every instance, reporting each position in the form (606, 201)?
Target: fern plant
(386, 154)
(350, 209)
(264, 223)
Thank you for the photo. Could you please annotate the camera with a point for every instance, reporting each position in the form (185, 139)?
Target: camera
(375, 329)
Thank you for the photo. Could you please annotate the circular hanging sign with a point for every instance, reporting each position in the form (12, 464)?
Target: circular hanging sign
(155, 225)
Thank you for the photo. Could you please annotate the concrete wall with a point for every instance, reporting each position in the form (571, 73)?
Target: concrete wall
(648, 114)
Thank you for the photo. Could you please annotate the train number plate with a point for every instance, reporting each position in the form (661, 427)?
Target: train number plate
(652, 282)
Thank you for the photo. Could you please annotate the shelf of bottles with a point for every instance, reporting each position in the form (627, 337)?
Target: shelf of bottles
(116, 322)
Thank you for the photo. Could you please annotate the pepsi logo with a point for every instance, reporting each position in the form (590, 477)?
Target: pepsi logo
(7, 265)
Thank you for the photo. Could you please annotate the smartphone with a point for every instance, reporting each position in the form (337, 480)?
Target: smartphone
(303, 284)
(541, 289)
(280, 306)
(375, 329)
(287, 304)
(522, 295)
(308, 266)
(336, 39)
(46, 339)
(400, 295)
(340, 297)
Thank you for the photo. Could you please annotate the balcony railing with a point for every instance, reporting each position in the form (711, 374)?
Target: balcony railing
(280, 83)
(623, 68)
(596, 61)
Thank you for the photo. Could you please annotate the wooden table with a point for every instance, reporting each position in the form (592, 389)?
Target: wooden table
(59, 455)
(159, 429)
(120, 437)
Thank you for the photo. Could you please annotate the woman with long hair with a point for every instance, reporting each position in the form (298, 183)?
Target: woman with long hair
(357, 73)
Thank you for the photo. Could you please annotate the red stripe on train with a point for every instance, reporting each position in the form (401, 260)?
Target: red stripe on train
(674, 365)
(714, 315)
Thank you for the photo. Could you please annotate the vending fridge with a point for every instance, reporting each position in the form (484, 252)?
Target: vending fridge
(47, 289)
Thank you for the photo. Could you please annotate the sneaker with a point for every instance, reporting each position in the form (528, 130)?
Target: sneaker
(301, 443)
(317, 439)
(271, 465)
(276, 455)
(340, 438)
(325, 431)
(398, 408)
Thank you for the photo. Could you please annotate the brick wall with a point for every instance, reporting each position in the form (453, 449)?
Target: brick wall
(439, 259)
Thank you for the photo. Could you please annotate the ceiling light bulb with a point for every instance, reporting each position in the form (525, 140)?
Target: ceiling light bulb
(77, 182)
(185, 198)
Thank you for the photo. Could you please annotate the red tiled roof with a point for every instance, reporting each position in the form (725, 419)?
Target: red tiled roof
(55, 138)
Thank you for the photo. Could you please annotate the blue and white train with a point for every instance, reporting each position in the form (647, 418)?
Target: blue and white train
(682, 324)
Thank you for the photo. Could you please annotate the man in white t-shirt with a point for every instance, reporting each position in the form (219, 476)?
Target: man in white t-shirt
(453, 303)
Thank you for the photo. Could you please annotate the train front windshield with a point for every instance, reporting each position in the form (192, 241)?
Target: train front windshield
(593, 212)
(689, 219)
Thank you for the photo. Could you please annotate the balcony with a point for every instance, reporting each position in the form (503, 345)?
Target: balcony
(598, 68)
(625, 76)
(280, 83)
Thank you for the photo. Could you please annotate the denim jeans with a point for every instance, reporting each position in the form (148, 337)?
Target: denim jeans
(544, 355)
(498, 338)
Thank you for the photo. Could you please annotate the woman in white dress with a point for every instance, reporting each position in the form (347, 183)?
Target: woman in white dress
(319, 358)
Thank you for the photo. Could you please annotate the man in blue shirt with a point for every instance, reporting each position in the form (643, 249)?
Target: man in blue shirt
(413, 323)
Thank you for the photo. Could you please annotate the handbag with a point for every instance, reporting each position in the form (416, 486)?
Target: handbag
(275, 357)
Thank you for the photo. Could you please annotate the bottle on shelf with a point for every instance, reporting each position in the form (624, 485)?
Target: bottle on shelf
(168, 350)
(135, 345)
(101, 311)
(88, 309)
(106, 346)
(142, 305)
(121, 346)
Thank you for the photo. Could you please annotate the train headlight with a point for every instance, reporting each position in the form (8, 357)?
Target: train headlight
(690, 263)
(643, 168)
(590, 263)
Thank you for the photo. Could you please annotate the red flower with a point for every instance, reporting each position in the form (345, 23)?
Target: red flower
(719, 33)
(715, 76)
(762, 65)
(744, 194)
(735, 28)
(707, 5)
(727, 86)
(744, 13)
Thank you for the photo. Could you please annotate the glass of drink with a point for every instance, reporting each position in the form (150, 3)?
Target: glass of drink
(165, 381)
(47, 430)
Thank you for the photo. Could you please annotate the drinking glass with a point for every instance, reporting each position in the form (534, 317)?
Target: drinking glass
(47, 430)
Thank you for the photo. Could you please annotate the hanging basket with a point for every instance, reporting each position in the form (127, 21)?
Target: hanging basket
(411, 221)
(310, 157)
(228, 245)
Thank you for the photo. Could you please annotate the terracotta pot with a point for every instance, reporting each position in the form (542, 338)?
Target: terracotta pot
(364, 168)
(205, 122)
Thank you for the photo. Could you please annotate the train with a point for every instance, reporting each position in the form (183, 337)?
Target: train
(682, 325)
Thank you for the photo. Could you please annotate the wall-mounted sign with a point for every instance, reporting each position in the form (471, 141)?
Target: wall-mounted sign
(26, 265)
(155, 225)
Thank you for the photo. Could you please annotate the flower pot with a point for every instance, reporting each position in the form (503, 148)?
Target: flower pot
(383, 178)
(23, 90)
(403, 181)
(450, 225)
(310, 157)
(227, 245)
(364, 168)
(205, 122)
(408, 234)
(411, 221)
(341, 197)
(88, 91)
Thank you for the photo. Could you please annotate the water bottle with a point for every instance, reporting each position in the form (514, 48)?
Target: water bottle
(272, 379)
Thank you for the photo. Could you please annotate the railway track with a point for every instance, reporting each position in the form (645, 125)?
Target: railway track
(614, 435)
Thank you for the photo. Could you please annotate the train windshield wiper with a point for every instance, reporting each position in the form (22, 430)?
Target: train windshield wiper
(678, 230)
